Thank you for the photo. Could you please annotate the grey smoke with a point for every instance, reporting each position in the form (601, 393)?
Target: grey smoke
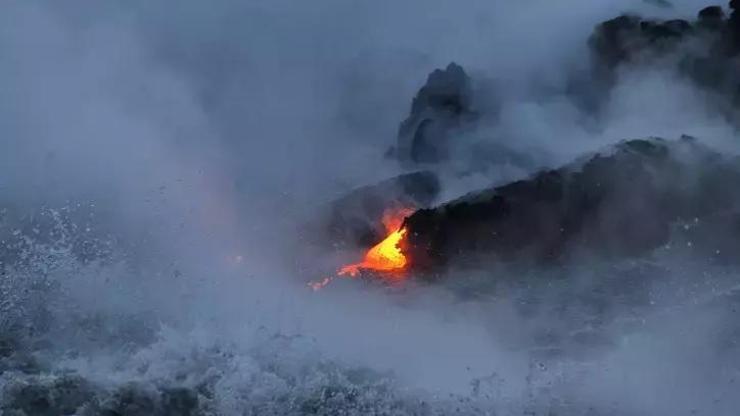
(201, 134)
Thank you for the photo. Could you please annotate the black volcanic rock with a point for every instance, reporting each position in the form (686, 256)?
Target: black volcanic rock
(704, 50)
(623, 202)
(441, 107)
(711, 16)
(354, 219)
(627, 37)
(733, 25)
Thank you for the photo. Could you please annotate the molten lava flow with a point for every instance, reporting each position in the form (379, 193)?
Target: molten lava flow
(386, 256)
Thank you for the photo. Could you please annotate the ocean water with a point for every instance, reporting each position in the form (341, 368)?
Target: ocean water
(88, 332)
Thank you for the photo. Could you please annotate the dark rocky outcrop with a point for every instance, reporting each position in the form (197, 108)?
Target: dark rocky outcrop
(442, 130)
(354, 219)
(441, 108)
(623, 38)
(705, 49)
(711, 17)
(623, 202)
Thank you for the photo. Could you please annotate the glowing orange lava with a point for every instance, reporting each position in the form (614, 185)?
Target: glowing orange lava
(386, 256)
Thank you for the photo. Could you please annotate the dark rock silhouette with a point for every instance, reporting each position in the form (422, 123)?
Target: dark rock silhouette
(354, 219)
(442, 107)
(627, 38)
(705, 50)
(712, 17)
(622, 202)
(733, 25)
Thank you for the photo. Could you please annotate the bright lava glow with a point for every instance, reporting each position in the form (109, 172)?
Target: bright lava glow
(384, 257)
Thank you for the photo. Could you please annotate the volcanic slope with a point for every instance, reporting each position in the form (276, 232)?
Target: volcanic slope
(624, 201)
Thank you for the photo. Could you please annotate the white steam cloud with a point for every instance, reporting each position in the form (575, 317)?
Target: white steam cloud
(203, 133)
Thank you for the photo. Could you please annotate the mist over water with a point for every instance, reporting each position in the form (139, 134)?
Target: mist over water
(158, 161)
